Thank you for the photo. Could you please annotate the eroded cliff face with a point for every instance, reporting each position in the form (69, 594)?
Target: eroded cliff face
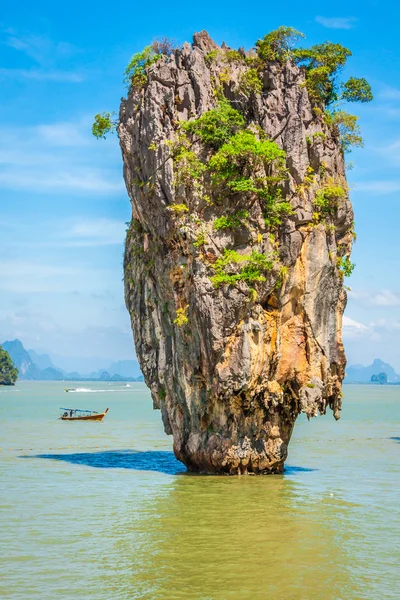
(231, 365)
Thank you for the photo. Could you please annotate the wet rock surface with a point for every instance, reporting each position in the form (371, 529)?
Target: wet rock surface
(231, 367)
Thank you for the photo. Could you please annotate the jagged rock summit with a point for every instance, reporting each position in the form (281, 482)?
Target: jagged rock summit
(231, 262)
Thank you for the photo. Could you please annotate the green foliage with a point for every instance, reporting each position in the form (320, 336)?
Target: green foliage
(278, 44)
(178, 209)
(162, 393)
(319, 135)
(135, 72)
(283, 272)
(382, 378)
(250, 82)
(103, 124)
(309, 179)
(322, 62)
(181, 318)
(328, 197)
(229, 56)
(348, 129)
(253, 294)
(217, 125)
(237, 166)
(276, 210)
(210, 57)
(200, 240)
(322, 169)
(345, 266)
(237, 161)
(8, 373)
(234, 56)
(225, 75)
(231, 221)
(320, 86)
(357, 90)
(188, 168)
(253, 269)
(329, 55)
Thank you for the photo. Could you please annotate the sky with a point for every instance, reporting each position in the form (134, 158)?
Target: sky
(63, 204)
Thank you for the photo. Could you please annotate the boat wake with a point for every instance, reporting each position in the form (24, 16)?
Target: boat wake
(89, 391)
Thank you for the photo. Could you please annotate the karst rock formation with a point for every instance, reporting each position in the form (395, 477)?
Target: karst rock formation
(231, 363)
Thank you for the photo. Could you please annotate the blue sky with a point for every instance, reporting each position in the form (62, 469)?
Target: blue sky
(62, 197)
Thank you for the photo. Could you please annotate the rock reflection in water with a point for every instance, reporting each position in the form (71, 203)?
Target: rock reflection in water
(234, 538)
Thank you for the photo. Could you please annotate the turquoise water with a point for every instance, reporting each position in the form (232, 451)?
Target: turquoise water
(104, 511)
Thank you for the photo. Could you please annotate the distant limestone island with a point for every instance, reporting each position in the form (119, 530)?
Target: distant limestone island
(17, 362)
(8, 372)
(379, 372)
(29, 365)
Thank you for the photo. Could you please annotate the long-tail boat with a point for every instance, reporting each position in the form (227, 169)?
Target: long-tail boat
(80, 414)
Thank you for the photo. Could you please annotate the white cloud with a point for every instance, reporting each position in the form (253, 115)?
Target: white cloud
(386, 298)
(337, 22)
(386, 326)
(48, 55)
(41, 48)
(352, 328)
(379, 333)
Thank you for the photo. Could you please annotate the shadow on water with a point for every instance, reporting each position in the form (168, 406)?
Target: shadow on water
(160, 461)
(291, 470)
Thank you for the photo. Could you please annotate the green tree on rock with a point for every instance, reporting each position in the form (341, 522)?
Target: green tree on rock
(322, 64)
(382, 378)
(8, 373)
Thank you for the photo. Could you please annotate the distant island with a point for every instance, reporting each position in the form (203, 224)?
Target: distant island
(378, 372)
(8, 372)
(33, 366)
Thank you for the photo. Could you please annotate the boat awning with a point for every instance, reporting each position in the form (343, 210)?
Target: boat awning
(81, 410)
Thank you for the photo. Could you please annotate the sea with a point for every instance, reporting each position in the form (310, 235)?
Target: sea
(105, 511)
